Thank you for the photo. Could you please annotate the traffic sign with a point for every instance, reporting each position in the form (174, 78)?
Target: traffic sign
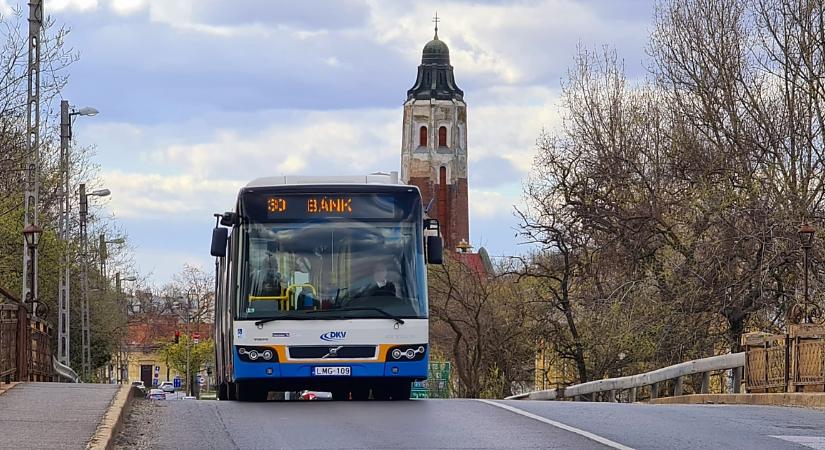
(196, 337)
(176, 382)
(154, 381)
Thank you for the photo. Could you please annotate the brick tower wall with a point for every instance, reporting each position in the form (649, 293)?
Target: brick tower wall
(454, 218)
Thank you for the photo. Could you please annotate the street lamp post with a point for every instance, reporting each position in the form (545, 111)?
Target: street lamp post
(64, 295)
(31, 196)
(119, 293)
(188, 342)
(806, 237)
(84, 291)
(31, 233)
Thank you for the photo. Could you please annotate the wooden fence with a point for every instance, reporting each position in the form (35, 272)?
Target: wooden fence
(793, 362)
(25, 343)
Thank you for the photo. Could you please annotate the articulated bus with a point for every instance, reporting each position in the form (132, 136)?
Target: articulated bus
(322, 286)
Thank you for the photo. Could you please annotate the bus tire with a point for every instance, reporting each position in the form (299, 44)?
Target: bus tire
(380, 392)
(401, 390)
(340, 394)
(247, 392)
(361, 393)
(222, 392)
(230, 391)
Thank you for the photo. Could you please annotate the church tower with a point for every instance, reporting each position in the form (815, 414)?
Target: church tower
(434, 143)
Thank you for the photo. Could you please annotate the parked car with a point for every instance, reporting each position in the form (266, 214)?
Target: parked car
(139, 385)
(314, 395)
(156, 394)
(167, 386)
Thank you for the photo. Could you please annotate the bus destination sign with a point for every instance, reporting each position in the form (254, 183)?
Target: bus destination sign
(311, 205)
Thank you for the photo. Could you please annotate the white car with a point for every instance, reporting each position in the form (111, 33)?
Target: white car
(156, 394)
(167, 386)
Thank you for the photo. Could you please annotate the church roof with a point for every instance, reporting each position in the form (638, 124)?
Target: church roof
(435, 78)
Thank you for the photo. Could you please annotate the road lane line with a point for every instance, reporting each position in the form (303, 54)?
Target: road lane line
(587, 434)
(816, 442)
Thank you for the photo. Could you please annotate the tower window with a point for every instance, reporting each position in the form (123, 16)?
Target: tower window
(442, 137)
(422, 136)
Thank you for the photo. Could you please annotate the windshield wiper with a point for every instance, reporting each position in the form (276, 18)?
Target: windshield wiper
(361, 308)
(285, 316)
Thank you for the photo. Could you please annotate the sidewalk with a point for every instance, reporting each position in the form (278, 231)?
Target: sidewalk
(52, 415)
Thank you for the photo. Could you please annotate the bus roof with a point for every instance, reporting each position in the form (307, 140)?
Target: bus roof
(373, 178)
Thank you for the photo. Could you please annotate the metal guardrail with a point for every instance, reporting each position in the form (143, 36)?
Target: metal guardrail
(64, 371)
(652, 379)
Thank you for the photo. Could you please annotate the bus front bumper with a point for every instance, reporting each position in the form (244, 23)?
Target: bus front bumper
(261, 370)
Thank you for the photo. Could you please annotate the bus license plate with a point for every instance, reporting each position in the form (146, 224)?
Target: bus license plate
(334, 371)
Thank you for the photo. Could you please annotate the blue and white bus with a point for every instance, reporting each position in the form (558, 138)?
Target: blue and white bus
(322, 285)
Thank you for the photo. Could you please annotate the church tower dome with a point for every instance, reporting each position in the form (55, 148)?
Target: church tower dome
(434, 142)
(435, 74)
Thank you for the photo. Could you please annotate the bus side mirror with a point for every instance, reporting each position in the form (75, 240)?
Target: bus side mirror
(219, 236)
(434, 250)
(229, 219)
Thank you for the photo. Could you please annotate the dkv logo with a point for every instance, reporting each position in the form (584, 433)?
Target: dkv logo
(331, 336)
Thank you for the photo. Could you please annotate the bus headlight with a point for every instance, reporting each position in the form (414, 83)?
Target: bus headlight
(257, 354)
(411, 352)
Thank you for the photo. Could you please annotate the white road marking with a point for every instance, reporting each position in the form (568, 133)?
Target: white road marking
(817, 442)
(586, 434)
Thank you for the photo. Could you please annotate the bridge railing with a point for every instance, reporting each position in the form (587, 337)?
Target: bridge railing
(632, 383)
(792, 362)
(25, 343)
(8, 341)
(64, 371)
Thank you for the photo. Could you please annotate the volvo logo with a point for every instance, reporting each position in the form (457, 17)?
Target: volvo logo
(333, 352)
(333, 336)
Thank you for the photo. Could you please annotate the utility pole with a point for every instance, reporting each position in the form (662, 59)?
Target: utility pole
(31, 197)
(84, 283)
(64, 294)
(188, 344)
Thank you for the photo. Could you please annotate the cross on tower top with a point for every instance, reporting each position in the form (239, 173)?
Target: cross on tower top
(435, 21)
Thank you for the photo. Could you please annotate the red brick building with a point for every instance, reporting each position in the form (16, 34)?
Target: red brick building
(434, 143)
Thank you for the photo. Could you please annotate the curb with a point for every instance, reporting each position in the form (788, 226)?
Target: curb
(112, 422)
(6, 387)
(804, 400)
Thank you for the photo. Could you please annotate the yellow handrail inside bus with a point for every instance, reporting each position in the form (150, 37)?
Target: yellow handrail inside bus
(284, 300)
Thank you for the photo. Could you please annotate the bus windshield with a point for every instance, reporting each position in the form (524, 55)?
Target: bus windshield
(359, 257)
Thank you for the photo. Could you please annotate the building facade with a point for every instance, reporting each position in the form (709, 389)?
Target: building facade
(434, 143)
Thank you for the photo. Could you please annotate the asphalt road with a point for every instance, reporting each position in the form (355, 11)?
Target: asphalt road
(185, 424)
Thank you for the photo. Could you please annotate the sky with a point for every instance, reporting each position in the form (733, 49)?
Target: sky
(199, 97)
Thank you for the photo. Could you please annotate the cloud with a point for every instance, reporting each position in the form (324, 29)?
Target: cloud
(491, 172)
(142, 195)
(213, 94)
(488, 204)
(127, 7)
(77, 5)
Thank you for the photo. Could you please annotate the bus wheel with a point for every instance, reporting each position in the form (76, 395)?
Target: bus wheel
(247, 392)
(230, 391)
(361, 393)
(340, 394)
(222, 392)
(380, 392)
(400, 391)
